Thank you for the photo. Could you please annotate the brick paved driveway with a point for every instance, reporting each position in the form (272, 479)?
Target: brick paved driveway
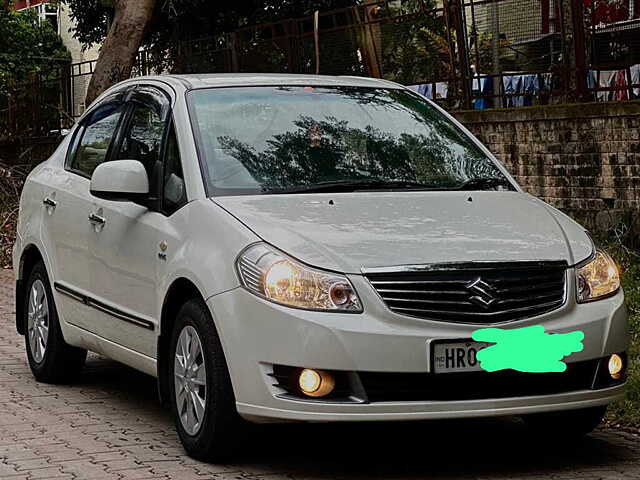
(110, 426)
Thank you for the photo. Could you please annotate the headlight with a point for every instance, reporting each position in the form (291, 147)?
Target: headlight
(272, 275)
(597, 279)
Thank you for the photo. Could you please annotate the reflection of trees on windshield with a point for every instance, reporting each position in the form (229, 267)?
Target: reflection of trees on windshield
(329, 150)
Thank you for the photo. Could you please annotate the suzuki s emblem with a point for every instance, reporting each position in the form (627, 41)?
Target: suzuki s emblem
(483, 293)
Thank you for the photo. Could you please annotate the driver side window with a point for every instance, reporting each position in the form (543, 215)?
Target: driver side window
(142, 138)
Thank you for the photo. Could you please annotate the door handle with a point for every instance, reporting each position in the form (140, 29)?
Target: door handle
(49, 202)
(97, 219)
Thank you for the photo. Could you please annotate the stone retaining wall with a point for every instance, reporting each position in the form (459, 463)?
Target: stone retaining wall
(581, 158)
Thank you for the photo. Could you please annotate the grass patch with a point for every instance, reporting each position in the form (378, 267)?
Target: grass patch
(627, 412)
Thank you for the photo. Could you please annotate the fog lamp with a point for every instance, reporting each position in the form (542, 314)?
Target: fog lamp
(316, 383)
(616, 366)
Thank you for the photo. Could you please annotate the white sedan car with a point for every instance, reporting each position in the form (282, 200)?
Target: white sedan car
(301, 248)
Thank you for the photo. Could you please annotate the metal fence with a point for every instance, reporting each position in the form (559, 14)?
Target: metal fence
(461, 53)
(51, 99)
(612, 39)
(405, 42)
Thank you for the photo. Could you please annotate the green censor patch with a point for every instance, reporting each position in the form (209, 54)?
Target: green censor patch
(527, 349)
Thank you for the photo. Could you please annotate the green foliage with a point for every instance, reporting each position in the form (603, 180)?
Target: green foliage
(27, 46)
(31, 53)
(186, 36)
(91, 18)
(415, 50)
(176, 21)
(627, 412)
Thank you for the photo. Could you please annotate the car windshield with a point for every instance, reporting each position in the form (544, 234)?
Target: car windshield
(290, 139)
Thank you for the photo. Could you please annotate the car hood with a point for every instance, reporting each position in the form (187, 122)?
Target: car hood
(349, 231)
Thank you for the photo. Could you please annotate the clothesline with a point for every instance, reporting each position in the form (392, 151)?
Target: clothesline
(616, 79)
(520, 90)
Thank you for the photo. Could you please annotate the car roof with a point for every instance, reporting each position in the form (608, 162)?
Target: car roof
(217, 80)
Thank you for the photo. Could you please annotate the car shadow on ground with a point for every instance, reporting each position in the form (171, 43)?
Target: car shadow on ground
(462, 448)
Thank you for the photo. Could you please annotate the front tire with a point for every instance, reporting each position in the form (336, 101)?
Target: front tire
(202, 397)
(51, 359)
(565, 425)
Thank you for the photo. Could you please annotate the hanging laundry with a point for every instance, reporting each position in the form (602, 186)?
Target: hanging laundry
(530, 86)
(423, 89)
(604, 79)
(592, 84)
(592, 79)
(426, 89)
(619, 82)
(635, 79)
(511, 86)
(546, 82)
(442, 90)
(508, 89)
(483, 86)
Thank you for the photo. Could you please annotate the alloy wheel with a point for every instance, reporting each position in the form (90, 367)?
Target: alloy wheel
(190, 377)
(38, 320)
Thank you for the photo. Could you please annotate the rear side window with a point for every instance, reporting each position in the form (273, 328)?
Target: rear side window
(97, 137)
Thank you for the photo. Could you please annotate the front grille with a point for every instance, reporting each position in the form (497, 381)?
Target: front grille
(389, 387)
(472, 293)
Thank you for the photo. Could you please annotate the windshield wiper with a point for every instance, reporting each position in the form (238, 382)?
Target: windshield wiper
(484, 184)
(352, 186)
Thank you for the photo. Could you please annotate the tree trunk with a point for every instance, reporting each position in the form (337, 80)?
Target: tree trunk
(372, 39)
(118, 53)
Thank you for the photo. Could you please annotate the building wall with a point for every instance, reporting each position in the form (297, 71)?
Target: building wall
(79, 54)
(583, 158)
(81, 72)
(21, 4)
(518, 20)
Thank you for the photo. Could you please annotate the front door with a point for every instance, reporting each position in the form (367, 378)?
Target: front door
(125, 246)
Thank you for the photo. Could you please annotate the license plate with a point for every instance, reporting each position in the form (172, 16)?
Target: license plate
(457, 357)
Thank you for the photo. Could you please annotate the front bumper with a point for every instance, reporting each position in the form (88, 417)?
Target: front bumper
(404, 411)
(257, 334)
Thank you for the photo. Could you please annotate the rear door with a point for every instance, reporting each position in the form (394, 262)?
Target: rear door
(126, 251)
(68, 204)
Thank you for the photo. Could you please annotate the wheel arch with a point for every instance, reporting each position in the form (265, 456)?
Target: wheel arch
(31, 255)
(181, 291)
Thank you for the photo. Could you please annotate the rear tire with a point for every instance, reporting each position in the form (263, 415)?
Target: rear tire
(565, 425)
(202, 398)
(51, 359)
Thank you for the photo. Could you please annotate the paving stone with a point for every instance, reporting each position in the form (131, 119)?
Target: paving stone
(7, 470)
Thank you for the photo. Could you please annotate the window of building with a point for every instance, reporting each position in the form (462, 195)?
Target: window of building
(51, 14)
(46, 12)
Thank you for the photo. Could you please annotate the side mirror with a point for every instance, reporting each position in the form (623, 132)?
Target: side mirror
(120, 180)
